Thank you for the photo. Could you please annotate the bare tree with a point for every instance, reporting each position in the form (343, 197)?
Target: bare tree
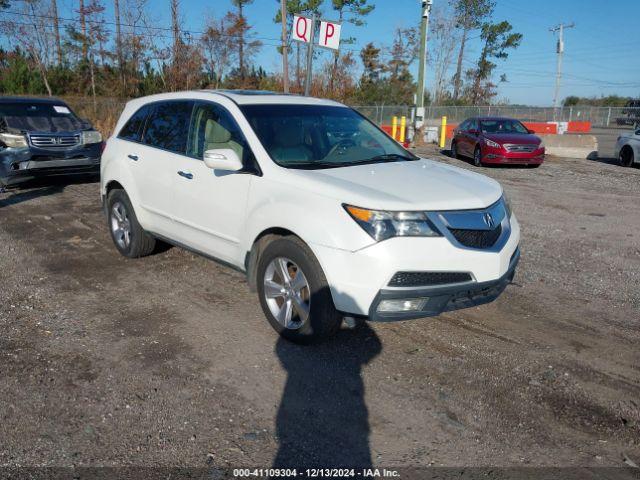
(116, 12)
(33, 35)
(443, 39)
(83, 30)
(242, 27)
(56, 30)
(218, 47)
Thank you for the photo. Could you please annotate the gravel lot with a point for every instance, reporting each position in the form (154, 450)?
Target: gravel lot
(168, 360)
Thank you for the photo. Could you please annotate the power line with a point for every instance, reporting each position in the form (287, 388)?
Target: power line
(105, 22)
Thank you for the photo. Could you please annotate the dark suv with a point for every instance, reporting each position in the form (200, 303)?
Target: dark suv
(42, 137)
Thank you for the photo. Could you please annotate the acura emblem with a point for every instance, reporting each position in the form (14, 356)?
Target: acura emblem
(488, 219)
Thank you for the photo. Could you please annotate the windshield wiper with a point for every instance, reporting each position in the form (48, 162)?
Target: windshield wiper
(313, 165)
(387, 157)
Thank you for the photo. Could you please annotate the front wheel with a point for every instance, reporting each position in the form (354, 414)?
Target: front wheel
(294, 293)
(454, 150)
(626, 157)
(477, 157)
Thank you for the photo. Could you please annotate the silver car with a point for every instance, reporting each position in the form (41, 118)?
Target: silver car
(628, 148)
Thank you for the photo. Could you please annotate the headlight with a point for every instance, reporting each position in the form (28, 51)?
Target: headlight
(13, 140)
(91, 136)
(541, 144)
(382, 225)
(491, 143)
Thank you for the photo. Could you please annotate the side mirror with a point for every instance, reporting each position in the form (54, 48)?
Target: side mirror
(530, 131)
(222, 159)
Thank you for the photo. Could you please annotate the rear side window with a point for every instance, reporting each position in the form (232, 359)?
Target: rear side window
(133, 128)
(168, 126)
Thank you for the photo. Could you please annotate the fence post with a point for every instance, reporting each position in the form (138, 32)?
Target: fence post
(570, 114)
(608, 116)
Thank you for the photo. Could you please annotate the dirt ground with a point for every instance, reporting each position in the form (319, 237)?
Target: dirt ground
(168, 360)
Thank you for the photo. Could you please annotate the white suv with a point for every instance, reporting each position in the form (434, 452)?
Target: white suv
(327, 215)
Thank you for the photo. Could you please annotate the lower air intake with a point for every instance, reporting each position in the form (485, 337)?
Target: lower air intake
(427, 279)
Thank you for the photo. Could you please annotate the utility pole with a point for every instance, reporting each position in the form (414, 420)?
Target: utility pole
(307, 82)
(424, 27)
(285, 49)
(560, 50)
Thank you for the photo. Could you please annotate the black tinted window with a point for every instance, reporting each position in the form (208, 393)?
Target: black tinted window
(133, 128)
(168, 126)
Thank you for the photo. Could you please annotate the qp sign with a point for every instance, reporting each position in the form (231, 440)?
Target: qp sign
(329, 35)
(302, 29)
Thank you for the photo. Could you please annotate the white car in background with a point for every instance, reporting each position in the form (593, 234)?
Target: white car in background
(628, 148)
(328, 216)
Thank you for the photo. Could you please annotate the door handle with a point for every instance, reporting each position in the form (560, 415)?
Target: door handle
(187, 175)
(133, 157)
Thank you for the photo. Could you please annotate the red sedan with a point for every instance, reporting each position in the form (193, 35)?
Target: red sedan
(496, 140)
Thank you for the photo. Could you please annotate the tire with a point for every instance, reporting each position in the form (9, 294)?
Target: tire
(454, 150)
(313, 316)
(128, 236)
(626, 156)
(477, 157)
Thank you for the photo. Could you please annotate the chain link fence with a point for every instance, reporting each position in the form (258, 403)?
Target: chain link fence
(104, 112)
(598, 116)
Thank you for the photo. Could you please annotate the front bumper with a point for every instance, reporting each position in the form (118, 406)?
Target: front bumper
(517, 158)
(444, 298)
(357, 278)
(21, 165)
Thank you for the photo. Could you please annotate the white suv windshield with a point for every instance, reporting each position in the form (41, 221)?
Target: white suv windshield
(312, 136)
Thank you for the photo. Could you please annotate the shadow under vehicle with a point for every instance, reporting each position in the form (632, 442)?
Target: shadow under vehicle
(43, 137)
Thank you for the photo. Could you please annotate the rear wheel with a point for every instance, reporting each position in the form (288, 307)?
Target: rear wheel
(294, 293)
(626, 156)
(477, 157)
(129, 237)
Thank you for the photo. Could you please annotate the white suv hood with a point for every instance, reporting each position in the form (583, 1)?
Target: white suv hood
(411, 185)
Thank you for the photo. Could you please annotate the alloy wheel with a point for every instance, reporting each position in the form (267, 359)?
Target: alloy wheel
(477, 158)
(287, 293)
(120, 225)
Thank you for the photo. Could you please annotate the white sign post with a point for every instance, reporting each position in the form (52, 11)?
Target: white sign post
(329, 35)
(304, 29)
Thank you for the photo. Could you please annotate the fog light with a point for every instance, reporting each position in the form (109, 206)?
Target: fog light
(402, 305)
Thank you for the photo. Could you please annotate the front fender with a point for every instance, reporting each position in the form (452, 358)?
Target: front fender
(315, 218)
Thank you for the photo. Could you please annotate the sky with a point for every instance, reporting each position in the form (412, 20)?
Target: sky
(601, 50)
